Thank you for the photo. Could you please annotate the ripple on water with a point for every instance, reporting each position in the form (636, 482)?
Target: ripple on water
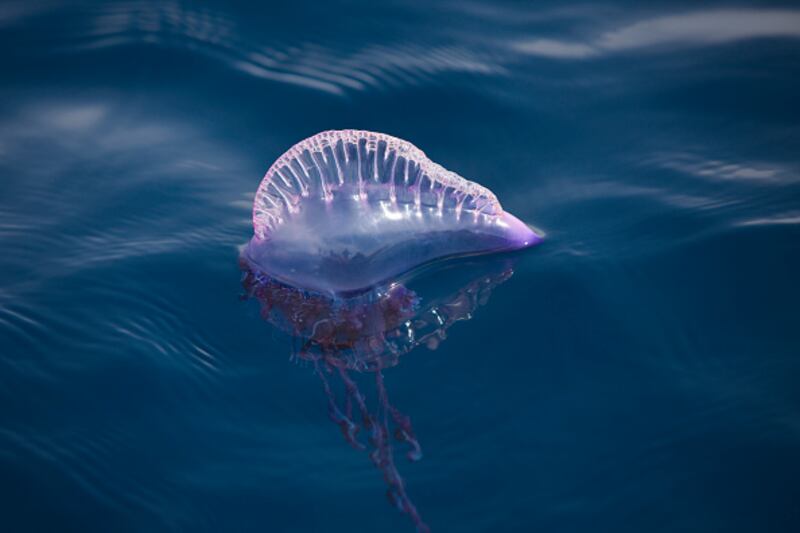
(311, 60)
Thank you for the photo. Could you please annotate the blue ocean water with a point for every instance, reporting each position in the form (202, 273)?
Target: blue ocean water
(638, 371)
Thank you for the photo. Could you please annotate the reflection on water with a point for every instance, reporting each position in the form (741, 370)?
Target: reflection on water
(304, 59)
(690, 29)
(369, 333)
(319, 58)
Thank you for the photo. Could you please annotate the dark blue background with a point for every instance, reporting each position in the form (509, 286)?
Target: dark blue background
(639, 372)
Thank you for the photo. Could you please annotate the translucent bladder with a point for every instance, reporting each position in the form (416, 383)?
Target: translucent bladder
(344, 211)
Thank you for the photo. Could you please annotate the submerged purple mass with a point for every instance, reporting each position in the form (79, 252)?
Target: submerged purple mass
(345, 210)
(345, 337)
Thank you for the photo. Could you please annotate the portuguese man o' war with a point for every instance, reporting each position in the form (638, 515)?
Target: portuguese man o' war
(343, 223)
(367, 333)
(344, 211)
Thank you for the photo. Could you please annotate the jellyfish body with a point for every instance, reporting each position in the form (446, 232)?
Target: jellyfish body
(344, 211)
(342, 223)
(370, 331)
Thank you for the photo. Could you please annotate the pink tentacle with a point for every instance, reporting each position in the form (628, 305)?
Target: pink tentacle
(349, 428)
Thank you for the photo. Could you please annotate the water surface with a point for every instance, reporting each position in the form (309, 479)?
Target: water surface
(637, 373)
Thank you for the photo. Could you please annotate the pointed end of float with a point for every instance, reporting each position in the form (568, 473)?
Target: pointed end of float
(520, 234)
